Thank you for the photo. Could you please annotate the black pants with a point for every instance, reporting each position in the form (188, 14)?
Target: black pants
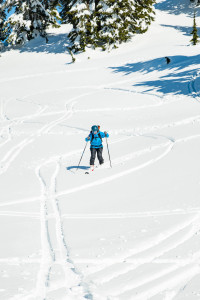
(99, 152)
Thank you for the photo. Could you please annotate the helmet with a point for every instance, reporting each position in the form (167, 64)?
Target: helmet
(94, 128)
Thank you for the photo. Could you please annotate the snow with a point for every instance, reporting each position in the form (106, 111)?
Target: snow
(127, 232)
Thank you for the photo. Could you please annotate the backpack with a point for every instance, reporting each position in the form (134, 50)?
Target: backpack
(93, 136)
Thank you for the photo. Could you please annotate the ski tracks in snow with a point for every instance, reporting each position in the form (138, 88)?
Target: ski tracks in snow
(109, 272)
(192, 88)
(73, 283)
(105, 272)
(15, 150)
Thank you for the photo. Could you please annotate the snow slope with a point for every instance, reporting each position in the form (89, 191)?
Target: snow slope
(130, 232)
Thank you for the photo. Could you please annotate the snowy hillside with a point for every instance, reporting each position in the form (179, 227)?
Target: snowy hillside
(127, 232)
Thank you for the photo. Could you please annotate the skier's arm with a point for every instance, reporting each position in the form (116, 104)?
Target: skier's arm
(87, 139)
(104, 134)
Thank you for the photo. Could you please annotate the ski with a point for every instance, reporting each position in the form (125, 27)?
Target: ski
(91, 170)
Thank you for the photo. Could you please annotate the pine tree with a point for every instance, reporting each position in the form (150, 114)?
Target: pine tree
(195, 37)
(122, 19)
(106, 23)
(116, 20)
(66, 7)
(2, 22)
(80, 15)
(30, 19)
(144, 14)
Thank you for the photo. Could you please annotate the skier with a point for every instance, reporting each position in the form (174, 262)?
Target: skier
(95, 138)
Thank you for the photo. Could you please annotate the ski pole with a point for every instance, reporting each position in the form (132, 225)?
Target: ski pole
(108, 152)
(81, 156)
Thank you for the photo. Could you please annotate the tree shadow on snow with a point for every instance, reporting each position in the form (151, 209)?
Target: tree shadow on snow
(186, 30)
(57, 43)
(177, 7)
(175, 81)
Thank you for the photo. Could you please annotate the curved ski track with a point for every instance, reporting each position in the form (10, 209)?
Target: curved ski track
(167, 278)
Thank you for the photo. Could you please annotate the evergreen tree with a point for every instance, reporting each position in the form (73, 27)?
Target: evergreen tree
(30, 19)
(124, 18)
(82, 33)
(195, 37)
(2, 22)
(66, 7)
(144, 14)
(116, 21)
(106, 23)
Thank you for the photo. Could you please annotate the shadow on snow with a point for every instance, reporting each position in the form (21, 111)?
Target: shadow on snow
(177, 7)
(57, 43)
(186, 30)
(75, 167)
(175, 81)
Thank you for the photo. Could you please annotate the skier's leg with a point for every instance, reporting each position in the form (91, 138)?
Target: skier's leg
(93, 155)
(99, 155)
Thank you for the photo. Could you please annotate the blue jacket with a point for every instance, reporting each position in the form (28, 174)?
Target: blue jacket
(95, 140)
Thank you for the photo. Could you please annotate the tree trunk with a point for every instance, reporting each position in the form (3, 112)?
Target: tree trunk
(96, 4)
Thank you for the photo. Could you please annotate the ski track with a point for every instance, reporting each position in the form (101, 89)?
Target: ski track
(6, 161)
(5, 132)
(15, 151)
(45, 269)
(152, 250)
(154, 245)
(108, 178)
(170, 145)
(74, 283)
(191, 86)
(44, 74)
(172, 280)
(148, 214)
(48, 254)
(64, 254)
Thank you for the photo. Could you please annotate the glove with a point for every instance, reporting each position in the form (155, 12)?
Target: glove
(105, 132)
(88, 138)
